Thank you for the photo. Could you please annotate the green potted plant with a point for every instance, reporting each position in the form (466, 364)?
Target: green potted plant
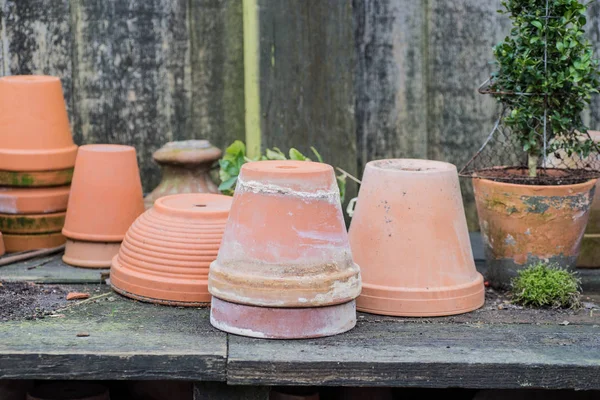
(534, 177)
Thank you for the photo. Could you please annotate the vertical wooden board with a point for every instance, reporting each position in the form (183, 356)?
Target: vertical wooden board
(217, 58)
(592, 116)
(307, 79)
(461, 37)
(36, 38)
(391, 103)
(132, 75)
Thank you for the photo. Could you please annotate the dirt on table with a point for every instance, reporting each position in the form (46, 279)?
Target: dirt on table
(26, 300)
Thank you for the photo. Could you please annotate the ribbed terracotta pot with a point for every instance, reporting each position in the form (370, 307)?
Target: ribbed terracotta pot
(524, 224)
(166, 253)
(185, 168)
(285, 269)
(69, 391)
(33, 201)
(106, 197)
(15, 243)
(409, 235)
(35, 127)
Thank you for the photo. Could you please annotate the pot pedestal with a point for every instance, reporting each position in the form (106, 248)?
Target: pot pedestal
(282, 323)
(85, 254)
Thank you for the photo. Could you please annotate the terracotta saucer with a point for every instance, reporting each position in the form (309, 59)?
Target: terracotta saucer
(33, 201)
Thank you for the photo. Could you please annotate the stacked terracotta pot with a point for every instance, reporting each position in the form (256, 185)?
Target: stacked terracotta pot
(167, 251)
(285, 269)
(37, 155)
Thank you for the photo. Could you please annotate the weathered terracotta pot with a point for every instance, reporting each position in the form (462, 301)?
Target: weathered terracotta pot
(32, 223)
(167, 251)
(524, 224)
(69, 391)
(15, 243)
(589, 254)
(36, 179)
(106, 197)
(35, 127)
(285, 246)
(185, 168)
(409, 235)
(2, 248)
(33, 201)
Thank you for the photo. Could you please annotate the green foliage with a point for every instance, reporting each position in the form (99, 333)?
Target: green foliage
(235, 157)
(562, 85)
(544, 285)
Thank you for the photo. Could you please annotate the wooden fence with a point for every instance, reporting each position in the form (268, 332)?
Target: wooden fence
(357, 79)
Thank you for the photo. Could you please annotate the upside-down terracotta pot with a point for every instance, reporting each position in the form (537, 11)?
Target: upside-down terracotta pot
(185, 168)
(167, 251)
(409, 235)
(285, 269)
(106, 197)
(15, 243)
(69, 391)
(35, 127)
(525, 224)
(33, 201)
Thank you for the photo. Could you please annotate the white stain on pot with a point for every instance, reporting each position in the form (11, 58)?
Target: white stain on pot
(331, 196)
(510, 241)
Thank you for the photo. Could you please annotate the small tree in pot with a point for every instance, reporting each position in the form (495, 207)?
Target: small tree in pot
(534, 177)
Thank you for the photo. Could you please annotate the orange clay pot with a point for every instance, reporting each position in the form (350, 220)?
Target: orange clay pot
(69, 391)
(525, 224)
(35, 179)
(32, 223)
(106, 197)
(167, 251)
(185, 168)
(2, 248)
(15, 243)
(35, 127)
(589, 254)
(285, 246)
(409, 235)
(33, 201)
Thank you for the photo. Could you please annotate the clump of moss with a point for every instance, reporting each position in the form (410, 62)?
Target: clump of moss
(547, 285)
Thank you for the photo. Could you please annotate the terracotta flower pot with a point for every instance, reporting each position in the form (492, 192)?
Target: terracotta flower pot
(16, 243)
(167, 251)
(524, 224)
(285, 246)
(185, 168)
(2, 248)
(33, 201)
(69, 391)
(35, 179)
(106, 197)
(35, 127)
(32, 223)
(409, 235)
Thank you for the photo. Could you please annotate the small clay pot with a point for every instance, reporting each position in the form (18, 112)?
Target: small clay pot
(409, 235)
(185, 168)
(167, 251)
(36, 179)
(16, 243)
(35, 126)
(32, 223)
(33, 201)
(285, 246)
(69, 391)
(106, 197)
(525, 224)
(2, 248)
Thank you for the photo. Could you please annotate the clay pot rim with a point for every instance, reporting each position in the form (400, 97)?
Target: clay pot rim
(107, 148)
(29, 78)
(200, 205)
(34, 193)
(19, 160)
(171, 154)
(420, 292)
(582, 185)
(286, 167)
(412, 166)
(84, 237)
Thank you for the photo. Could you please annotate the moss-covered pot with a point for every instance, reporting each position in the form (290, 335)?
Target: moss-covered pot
(524, 224)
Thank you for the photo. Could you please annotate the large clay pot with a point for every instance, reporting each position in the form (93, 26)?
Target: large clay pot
(167, 251)
(525, 224)
(33, 201)
(409, 235)
(285, 255)
(35, 127)
(185, 168)
(69, 391)
(106, 197)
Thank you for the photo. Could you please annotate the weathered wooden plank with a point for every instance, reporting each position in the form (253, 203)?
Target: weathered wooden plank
(222, 391)
(132, 75)
(217, 61)
(391, 91)
(389, 352)
(36, 38)
(307, 79)
(461, 35)
(127, 340)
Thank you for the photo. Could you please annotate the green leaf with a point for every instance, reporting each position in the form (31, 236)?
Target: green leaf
(275, 154)
(537, 24)
(341, 182)
(316, 153)
(296, 155)
(228, 184)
